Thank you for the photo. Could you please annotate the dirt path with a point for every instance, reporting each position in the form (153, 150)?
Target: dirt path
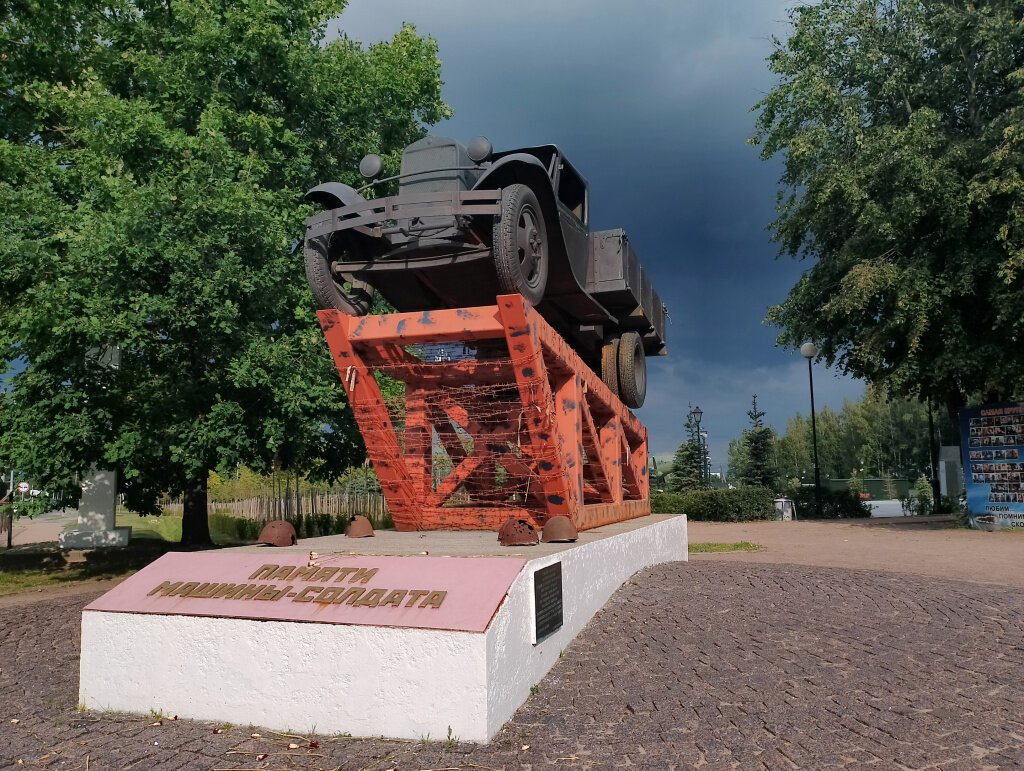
(918, 547)
(47, 527)
(91, 586)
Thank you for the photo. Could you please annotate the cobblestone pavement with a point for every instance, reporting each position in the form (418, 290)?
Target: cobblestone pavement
(716, 665)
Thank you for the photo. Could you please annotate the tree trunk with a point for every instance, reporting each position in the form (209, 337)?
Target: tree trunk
(195, 525)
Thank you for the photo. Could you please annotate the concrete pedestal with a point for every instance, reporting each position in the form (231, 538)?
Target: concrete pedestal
(96, 516)
(365, 680)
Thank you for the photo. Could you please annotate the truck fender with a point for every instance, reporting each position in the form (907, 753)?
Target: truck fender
(527, 169)
(333, 195)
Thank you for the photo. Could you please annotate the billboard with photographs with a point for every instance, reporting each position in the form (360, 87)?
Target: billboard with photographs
(993, 440)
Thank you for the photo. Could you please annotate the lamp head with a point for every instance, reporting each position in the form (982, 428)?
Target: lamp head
(808, 350)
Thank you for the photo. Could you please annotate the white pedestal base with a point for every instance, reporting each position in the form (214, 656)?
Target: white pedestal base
(362, 680)
(84, 538)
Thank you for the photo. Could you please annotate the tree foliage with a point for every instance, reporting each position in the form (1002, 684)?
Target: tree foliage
(874, 437)
(737, 454)
(153, 156)
(900, 125)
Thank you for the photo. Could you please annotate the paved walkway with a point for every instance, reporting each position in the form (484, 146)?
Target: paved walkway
(47, 527)
(731, 662)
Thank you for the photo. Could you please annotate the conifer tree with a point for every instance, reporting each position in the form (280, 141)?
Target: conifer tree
(686, 465)
(758, 441)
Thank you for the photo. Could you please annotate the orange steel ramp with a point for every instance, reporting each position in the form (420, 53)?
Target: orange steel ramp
(473, 415)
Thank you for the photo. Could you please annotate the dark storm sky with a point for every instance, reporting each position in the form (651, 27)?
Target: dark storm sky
(651, 102)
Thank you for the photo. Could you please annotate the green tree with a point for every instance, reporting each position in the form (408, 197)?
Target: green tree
(758, 469)
(900, 125)
(685, 474)
(872, 437)
(687, 465)
(153, 156)
(737, 457)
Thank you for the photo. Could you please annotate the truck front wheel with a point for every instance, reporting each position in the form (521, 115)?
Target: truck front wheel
(332, 289)
(521, 245)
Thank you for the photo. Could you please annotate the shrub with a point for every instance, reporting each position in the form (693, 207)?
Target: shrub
(229, 528)
(890, 487)
(224, 527)
(923, 489)
(919, 498)
(835, 504)
(744, 504)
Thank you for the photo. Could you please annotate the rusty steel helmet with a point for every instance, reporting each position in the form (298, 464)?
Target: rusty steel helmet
(560, 529)
(517, 532)
(359, 527)
(278, 533)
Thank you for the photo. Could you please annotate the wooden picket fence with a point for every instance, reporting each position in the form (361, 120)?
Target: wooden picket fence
(267, 508)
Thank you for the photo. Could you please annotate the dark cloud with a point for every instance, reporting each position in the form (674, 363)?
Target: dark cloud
(651, 101)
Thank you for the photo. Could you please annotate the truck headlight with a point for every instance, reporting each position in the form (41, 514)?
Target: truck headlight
(371, 166)
(479, 149)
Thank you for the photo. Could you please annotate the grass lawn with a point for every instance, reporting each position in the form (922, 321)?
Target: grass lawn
(704, 548)
(35, 566)
(162, 528)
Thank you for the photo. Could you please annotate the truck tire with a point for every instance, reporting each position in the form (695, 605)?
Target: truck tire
(632, 370)
(521, 245)
(330, 291)
(610, 364)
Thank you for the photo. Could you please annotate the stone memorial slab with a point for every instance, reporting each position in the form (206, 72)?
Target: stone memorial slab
(97, 515)
(457, 594)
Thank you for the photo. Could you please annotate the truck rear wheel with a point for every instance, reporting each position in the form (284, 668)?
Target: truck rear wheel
(610, 363)
(334, 290)
(521, 245)
(632, 370)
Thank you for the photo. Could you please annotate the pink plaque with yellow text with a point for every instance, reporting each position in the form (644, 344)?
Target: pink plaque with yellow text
(460, 594)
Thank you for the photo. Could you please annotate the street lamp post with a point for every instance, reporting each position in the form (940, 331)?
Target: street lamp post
(809, 350)
(695, 415)
(705, 460)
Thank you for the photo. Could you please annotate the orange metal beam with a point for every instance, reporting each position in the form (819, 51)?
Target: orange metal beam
(418, 443)
(601, 463)
(475, 517)
(563, 410)
(479, 323)
(539, 410)
(368, 406)
(599, 514)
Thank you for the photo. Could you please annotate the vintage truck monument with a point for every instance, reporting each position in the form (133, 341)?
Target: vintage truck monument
(469, 224)
(521, 337)
(497, 393)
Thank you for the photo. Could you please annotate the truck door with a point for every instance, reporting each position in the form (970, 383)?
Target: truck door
(572, 197)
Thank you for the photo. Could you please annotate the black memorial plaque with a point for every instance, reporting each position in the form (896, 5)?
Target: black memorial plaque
(547, 600)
